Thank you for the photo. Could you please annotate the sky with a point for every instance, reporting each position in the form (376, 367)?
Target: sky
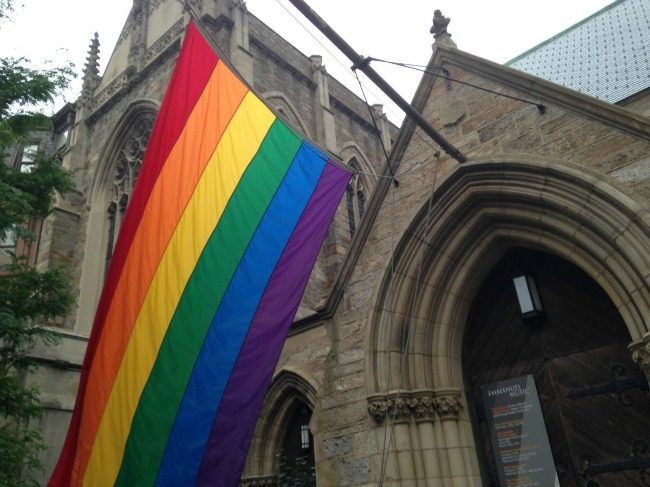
(59, 31)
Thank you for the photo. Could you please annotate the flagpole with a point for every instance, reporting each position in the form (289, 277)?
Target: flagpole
(359, 62)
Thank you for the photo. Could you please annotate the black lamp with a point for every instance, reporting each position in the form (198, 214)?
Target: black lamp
(530, 303)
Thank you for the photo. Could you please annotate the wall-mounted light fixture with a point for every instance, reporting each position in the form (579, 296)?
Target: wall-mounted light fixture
(530, 303)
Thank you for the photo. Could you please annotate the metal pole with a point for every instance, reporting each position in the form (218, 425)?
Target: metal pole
(359, 62)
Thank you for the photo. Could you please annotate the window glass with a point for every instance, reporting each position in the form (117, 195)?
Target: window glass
(28, 161)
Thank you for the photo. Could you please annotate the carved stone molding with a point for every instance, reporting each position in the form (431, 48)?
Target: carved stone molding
(448, 407)
(394, 406)
(418, 405)
(402, 406)
(377, 408)
(130, 77)
(167, 39)
(115, 87)
(422, 406)
(641, 354)
(448, 404)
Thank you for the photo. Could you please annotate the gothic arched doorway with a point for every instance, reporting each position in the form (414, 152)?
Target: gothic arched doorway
(593, 398)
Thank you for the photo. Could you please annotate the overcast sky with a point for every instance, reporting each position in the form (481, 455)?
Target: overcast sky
(60, 30)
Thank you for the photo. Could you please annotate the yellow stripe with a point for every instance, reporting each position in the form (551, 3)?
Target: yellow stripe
(237, 147)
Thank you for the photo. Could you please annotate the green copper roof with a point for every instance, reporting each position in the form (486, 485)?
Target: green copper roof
(607, 55)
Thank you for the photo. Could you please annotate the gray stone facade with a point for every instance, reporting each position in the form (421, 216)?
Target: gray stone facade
(376, 348)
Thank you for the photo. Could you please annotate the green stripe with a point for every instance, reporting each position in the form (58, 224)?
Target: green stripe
(154, 416)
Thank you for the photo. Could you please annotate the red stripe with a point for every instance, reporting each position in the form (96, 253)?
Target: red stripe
(195, 65)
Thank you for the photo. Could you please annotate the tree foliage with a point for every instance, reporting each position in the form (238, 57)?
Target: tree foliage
(29, 299)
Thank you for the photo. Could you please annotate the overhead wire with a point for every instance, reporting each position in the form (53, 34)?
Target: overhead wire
(389, 433)
(337, 60)
(426, 69)
(348, 70)
(374, 123)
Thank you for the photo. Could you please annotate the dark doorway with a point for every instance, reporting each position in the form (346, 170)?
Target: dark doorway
(594, 399)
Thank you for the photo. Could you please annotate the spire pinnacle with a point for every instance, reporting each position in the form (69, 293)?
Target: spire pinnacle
(91, 69)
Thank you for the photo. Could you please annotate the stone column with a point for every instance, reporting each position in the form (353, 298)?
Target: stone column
(399, 413)
(382, 410)
(423, 408)
(325, 123)
(240, 54)
(422, 449)
(641, 354)
(448, 406)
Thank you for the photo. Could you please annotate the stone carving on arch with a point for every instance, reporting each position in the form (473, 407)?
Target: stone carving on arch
(113, 181)
(480, 211)
(288, 386)
(283, 107)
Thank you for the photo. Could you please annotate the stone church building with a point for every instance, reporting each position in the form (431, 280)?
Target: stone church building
(412, 308)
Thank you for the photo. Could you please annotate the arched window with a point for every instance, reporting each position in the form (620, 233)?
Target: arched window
(296, 465)
(282, 450)
(126, 173)
(115, 176)
(355, 198)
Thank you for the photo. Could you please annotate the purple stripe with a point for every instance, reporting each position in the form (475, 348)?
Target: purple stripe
(235, 421)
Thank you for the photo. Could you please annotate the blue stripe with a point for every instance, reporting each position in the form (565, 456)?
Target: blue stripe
(229, 327)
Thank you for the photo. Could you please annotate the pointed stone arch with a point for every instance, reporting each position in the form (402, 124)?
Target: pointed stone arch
(351, 150)
(480, 211)
(112, 184)
(361, 184)
(288, 388)
(283, 106)
(137, 111)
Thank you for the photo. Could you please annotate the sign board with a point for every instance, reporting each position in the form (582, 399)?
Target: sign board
(521, 448)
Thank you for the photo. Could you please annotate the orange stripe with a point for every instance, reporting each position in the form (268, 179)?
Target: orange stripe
(178, 178)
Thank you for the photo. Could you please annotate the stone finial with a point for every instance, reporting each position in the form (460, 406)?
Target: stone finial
(316, 63)
(440, 23)
(439, 30)
(91, 69)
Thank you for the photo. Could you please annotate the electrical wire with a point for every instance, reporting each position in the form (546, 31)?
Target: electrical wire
(349, 71)
(336, 58)
(390, 420)
(374, 122)
(425, 69)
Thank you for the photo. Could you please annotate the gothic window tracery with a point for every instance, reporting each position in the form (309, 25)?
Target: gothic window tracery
(355, 198)
(126, 174)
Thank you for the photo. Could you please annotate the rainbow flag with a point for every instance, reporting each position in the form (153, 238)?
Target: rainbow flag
(222, 231)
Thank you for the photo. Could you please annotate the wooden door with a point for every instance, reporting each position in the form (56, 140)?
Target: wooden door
(594, 399)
